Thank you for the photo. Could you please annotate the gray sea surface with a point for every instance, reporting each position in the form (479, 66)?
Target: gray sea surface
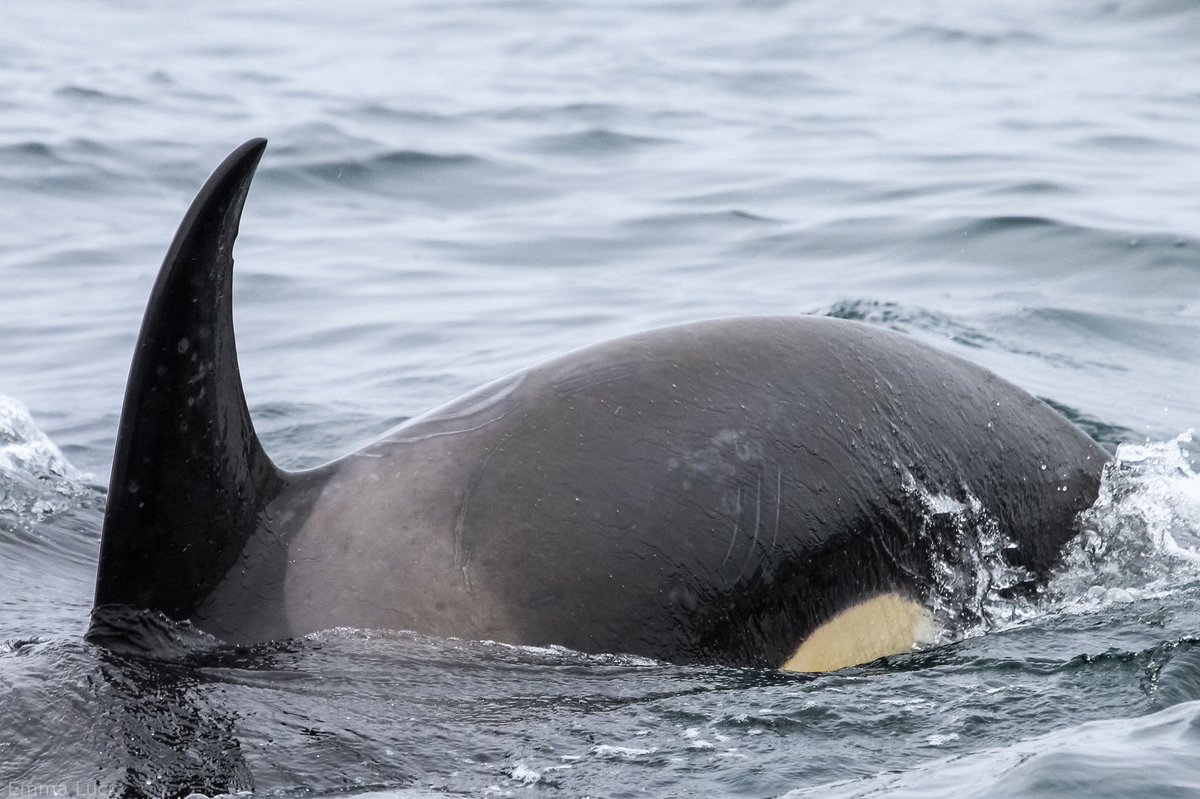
(455, 190)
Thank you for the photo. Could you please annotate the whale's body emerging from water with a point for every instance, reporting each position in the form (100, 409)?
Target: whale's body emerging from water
(745, 491)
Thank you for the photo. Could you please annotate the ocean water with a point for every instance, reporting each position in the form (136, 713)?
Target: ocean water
(455, 190)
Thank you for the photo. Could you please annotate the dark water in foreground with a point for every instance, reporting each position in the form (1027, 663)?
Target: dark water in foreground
(456, 190)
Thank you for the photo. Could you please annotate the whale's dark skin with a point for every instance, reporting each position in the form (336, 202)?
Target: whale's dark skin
(711, 492)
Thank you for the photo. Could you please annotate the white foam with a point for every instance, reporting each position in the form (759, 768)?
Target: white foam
(1142, 535)
(24, 448)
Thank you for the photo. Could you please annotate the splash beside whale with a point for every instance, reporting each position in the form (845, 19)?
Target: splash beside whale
(748, 491)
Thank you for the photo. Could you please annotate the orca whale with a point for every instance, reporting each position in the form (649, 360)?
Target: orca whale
(758, 491)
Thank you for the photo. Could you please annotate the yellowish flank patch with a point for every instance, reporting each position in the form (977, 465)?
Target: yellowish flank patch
(884, 625)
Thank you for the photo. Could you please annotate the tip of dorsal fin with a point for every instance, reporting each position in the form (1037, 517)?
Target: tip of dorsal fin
(189, 477)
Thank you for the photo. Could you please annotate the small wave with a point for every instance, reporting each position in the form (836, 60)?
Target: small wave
(688, 224)
(414, 159)
(767, 82)
(420, 646)
(408, 118)
(1104, 433)
(1181, 17)
(89, 95)
(360, 170)
(28, 153)
(895, 316)
(25, 450)
(1008, 335)
(148, 634)
(21, 646)
(445, 180)
(942, 34)
(1150, 756)
(1133, 144)
(1176, 676)
(76, 166)
(1002, 224)
(1025, 188)
(572, 112)
(596, 141)
(979, 238)
(38, 484)
(1076, 255)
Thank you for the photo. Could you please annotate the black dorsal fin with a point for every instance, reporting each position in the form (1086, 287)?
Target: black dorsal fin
(189, 479)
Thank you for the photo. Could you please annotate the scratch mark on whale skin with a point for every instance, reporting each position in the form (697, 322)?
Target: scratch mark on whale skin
(462, 555)
(754, 545)
(737, 527)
